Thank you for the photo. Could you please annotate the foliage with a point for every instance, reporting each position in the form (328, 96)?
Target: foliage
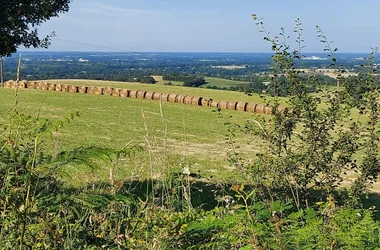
(267, 228)
(291, 196)
(159, 214)
(311, 147)
(195, 83)
(37, 210)
(188, 80)
(19, 19)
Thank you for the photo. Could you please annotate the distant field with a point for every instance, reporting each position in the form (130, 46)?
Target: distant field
(211, 81)
(221, 83)
(162, 82)
(231, 67)
(329, 72)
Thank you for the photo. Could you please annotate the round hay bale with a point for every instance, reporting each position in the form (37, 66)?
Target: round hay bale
(172, 97)
(180, 98)
(268, 110)
(124, 92)
(260, 108)
(25, 82)
(37, 85)
(107, 91)
(187, 99)
(214, 104)
(157, 96)
(116, 92)
(99, 90)
(149, 95)
(13, 84)
(43, 86)
(206, 101)
(196, 100)
(91, 90)
(73, 89)
(140, 94)
(51, 86)
(10, 84)
(22, 84)
(58, 87)
(164, 97)
(223, 104)
(83, 89)
(251, 107)
(16, 85)
(231, 105)
(65, 88)
(241, 106)
(133, 93)
(31, 85)
(7, 84)
(281, 109)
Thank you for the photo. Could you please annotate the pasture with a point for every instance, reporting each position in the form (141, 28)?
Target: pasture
(230, 67)
(217, 95)
(172, 135)
(177, 135)
(211, 81)
(221, 83)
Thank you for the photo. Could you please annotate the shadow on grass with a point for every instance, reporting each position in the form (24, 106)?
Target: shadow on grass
(207, 196)
(373, 200)
(203, 195)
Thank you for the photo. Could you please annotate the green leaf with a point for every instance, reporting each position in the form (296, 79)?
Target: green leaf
(247, 247)
(296, 215)
(310, 214)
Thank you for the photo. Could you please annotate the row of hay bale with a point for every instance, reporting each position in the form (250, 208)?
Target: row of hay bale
(245, 107)
(13, 84)
(142, 94)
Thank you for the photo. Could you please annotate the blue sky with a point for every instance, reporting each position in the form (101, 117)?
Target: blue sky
(211, 25)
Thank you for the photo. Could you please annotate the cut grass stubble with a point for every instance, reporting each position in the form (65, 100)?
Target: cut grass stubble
(188, 135)
(183, 135)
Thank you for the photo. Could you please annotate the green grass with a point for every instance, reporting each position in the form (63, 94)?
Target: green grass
(175, 136)
(211, 81)
(183, 134)
(221, 83)
(217, 95)
(160, 81)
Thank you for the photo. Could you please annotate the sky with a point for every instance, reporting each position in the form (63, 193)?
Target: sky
(211, 25)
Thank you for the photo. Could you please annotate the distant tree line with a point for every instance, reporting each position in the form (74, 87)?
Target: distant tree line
(264, 84)
(368, 83)
(190, 72)
(65, 70)
(188, 80)
(122, 69)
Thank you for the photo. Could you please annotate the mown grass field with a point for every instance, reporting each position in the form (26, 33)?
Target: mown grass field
(221, 83)
(184, 135)
(172, 135)
(161, 81)
(217, 95)
(211, 81)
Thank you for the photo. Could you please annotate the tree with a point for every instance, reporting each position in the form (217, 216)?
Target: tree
(19, 20)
